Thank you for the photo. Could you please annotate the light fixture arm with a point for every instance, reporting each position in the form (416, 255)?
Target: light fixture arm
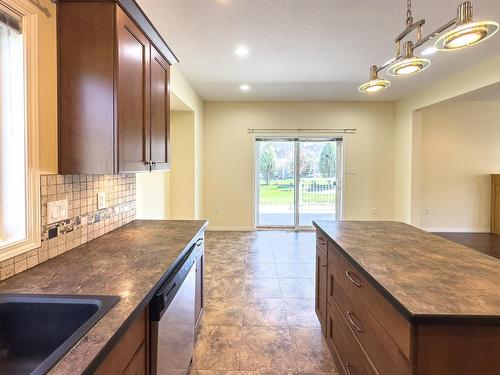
(436, 32)
(419, 42)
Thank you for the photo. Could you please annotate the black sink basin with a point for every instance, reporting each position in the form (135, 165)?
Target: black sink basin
(36, 331)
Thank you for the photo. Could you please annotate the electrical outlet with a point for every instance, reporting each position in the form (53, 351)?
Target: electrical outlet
(57, 211)
(84, 220)
(101, 200)
(350, 171)
(217, 210)
(427, 211)
(374, 211)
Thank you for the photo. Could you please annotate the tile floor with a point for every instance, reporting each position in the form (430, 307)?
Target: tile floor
(259, 307)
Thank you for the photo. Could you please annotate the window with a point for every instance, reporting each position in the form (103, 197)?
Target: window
(19, 179)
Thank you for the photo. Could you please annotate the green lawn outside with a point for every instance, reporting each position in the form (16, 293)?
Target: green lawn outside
(281, 192)
(277, 192)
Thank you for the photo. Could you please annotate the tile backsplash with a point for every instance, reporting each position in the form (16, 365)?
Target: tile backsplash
(85, 222)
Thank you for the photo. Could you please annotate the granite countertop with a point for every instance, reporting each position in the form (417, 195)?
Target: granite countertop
(128, 262)
(426, 275)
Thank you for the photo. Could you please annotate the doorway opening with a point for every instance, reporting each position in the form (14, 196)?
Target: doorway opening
(298, 180)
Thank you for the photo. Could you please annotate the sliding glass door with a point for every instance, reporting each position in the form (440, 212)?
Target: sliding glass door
(297, 181)
(276, 182)
(318, 181)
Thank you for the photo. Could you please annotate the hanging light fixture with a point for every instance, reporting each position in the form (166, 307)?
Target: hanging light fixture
(465, 33)
(409, 64)
(375, 84)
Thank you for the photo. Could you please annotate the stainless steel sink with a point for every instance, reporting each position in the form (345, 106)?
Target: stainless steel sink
(36, 331)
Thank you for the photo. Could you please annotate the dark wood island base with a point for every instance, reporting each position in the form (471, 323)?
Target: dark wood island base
(392, 299)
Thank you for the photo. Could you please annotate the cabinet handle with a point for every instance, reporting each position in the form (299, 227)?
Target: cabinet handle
(349, 318)
(348, 367)
(147, 162)
(324, 265)
(348, 274)
(199, 241)
(153, 163)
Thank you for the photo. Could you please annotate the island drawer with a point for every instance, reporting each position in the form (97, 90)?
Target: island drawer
(355, 285)
(384, 353)
(321, 241)
(350, 354)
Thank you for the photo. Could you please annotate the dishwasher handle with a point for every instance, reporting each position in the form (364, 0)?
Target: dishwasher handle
(168, 290)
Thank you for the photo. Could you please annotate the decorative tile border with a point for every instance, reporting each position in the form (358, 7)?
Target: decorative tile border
(85, 222)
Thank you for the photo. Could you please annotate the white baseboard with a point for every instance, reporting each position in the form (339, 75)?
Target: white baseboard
(457, 230)
(215, 228)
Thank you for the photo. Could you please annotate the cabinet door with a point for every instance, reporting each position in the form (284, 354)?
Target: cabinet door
(132, 95)
(321, 287)
(200, 274)
(160, 111)
(137, 365)
(127, 350)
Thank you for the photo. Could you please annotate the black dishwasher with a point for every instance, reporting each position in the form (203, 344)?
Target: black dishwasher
(172, 320)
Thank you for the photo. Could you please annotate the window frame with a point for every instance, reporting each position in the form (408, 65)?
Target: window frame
(29, 15)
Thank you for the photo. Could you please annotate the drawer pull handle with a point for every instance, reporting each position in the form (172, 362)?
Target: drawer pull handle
(348, 367)
(348, 274)
(324, 265)
(199, 241)
(350, 314)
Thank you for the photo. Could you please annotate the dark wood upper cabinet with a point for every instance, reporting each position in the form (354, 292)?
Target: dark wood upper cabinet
(160, 111)
(132, 95)
(113, 89)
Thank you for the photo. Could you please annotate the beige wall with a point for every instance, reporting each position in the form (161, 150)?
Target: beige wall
(47, 89)
(177, 194)
(229, 155)
(181, 87)
(153, 195)
(182, 183)
(406, 179)
(171, 194)
(460, 145)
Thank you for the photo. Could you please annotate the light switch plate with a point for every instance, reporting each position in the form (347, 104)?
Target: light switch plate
(57, 211)
(101, 200)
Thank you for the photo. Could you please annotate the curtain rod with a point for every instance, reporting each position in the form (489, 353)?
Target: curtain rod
(322, 131)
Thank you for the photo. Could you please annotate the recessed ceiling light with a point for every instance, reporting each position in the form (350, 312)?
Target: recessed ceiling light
(241, 51)
(429, 51)
(245, 87)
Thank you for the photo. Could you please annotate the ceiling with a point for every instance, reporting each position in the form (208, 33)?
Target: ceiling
(303, 49)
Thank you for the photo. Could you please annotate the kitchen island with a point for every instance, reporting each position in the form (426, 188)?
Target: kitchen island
(131, 262)
(393, 299)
